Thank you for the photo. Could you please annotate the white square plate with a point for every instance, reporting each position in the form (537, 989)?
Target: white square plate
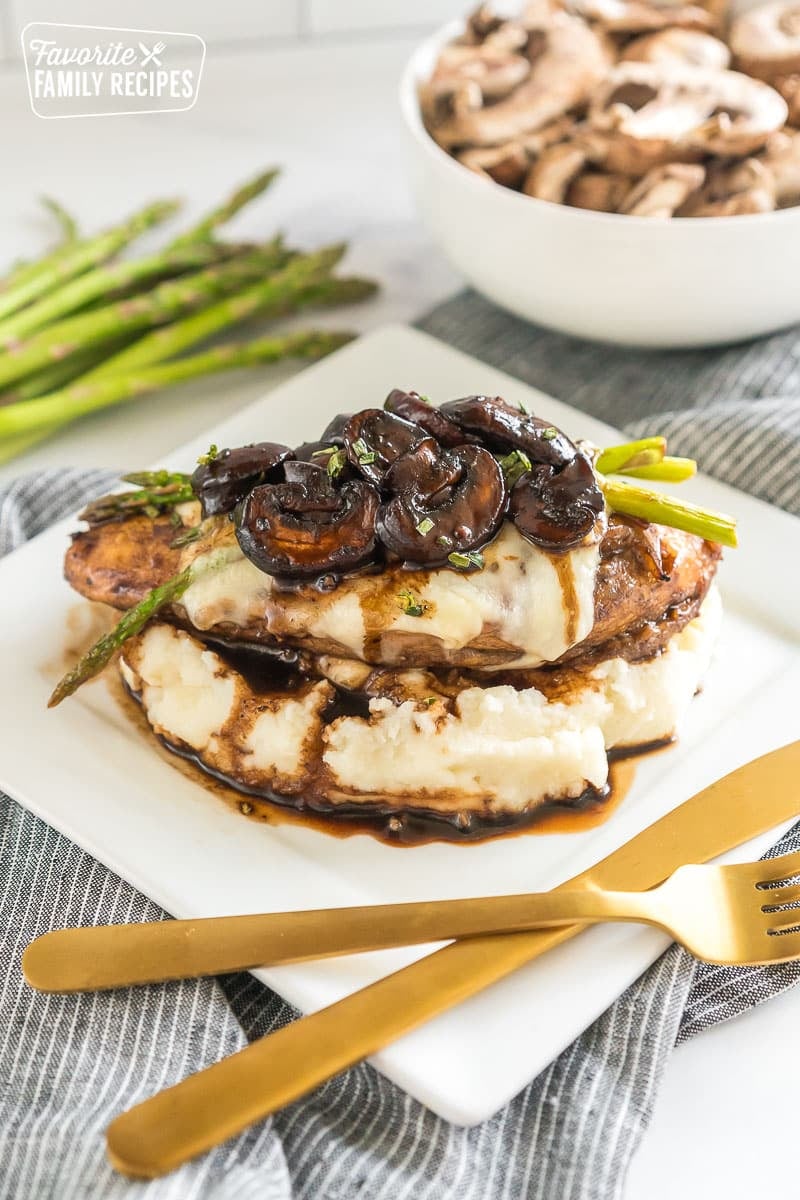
(88, 772)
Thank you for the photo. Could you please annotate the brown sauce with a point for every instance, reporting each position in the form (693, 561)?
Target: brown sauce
(569, 595)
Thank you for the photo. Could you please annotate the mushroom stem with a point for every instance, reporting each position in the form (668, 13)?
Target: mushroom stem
(634, 501)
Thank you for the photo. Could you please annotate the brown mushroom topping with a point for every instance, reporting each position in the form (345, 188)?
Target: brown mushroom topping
(639, 16)
(413, 407)
(446, 504)
(374, 438)
(688, 46)
(599, 191)
(557, 509)
(551, 175)
(223, 477)
(506, 165)
(306, 527)
(663, 190)
(766, 40)
(568, 60)
(653, 113)
(504, 428)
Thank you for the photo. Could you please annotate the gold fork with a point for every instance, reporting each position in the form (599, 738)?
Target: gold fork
(743, 914)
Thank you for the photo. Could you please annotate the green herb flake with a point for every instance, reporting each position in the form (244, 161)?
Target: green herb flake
(444, 541)
(321, 453)
(425, 399)
(429, 700)
(360, 447)
(425, 526)
(550, 433)
(463, 562)
(206, 459)
(525, 411)
(365, 459)
(336, 463)
(411, 605)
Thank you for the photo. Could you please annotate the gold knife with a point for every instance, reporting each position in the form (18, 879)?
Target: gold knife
(161, 1133)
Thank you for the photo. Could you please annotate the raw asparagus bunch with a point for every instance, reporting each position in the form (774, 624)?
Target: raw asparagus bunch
(82, 329)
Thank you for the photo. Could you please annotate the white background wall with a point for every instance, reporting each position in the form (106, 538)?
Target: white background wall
(232, 22)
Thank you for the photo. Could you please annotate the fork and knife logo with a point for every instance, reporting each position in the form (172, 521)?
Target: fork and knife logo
(151, 56)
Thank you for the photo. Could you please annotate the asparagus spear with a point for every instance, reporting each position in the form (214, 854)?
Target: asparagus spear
(204, 228)
(668, 470)
(631, 454)
(135, 620)
(102, 280)
(640, 502)
(33, 281)
(158, 306)
(43, 413)
(65, 220)
(159, 490)
(276, 293)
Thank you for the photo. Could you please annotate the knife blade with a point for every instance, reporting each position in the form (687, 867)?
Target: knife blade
(161, 1133)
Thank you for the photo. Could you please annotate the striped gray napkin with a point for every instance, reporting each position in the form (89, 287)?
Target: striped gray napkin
(69, 1064)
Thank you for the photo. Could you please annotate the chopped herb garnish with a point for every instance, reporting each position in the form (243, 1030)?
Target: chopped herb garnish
(205, 459)
(444, 540)
(472, 558)
(514, 466)
(411, 605)
(366, 459)
(363, 453)
(429, 700)
(360, 447)
(321, 453)
(550, 433)
(523, 409)
(425, 526)
(336, 463)
(425, 399)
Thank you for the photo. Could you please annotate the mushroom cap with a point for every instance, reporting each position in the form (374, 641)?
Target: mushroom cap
(668, 112)
(665, 189)
(766, 41)
(782, 159)
(641, 16)
(571, 61)
(675, 45)
(557, 509)
(305, 527)
(227, 476)
(374, 438)
(444, 502)
(411, 407)
(502, 427)
(554, 170)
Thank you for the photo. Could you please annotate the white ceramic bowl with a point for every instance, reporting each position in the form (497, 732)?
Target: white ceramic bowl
(634, 280)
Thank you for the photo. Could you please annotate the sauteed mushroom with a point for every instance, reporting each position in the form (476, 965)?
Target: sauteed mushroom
(374, 438)
(225, 476)
(412, 407)
(306, 527)
(689, 46)
(445, 504)
(766, 41)
(556, 510)
(504, 428)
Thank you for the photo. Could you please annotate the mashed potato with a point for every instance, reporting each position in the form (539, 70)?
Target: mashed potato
(491, 750)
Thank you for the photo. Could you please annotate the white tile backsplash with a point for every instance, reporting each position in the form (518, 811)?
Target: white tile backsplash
(342, 16)
(214, 20)
(234, 21)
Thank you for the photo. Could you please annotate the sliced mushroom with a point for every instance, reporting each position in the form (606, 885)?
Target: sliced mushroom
(506, 165)
(374, 438)
(504, 428)
(495, 69)
(664, 190)
(731, 189)
(782, 159)
(639, 16)
(551, 175)
(789, 88)
(654, 113)
(557, 509)
(598, 191)
(766, 40)
(570, 59)
(412, 407)
(689, 46)
(226, 476)
(559, 130)
(306, 527)
(445, 503)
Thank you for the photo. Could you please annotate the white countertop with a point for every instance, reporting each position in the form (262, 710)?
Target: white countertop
(327, 113)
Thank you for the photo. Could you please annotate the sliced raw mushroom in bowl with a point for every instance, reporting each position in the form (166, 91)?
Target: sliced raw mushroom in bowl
(733, 189)
(781, 158)
(664, 190)
(639, 16)
(674, 45)
(507, 164)
(600, 191)
(766, 40)
(554, 171)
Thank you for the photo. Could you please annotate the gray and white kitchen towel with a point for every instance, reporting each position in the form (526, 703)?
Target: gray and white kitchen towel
(68, 1064)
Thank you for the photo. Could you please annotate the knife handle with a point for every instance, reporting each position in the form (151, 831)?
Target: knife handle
(177, 1124)
(110, 956)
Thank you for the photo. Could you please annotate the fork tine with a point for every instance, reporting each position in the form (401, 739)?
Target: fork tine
(780, 896)
(785, 921)
(783, 948)
(773, 870)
